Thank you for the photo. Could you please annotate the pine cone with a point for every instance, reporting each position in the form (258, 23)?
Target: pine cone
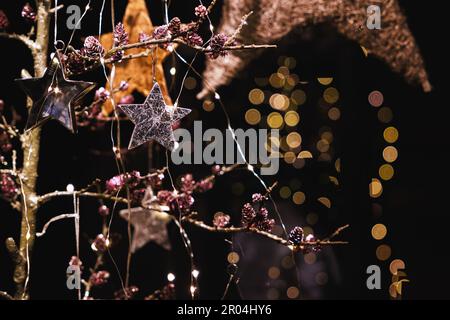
(28, 13)
(193, 39)
(216, 46)
(120, 35)
(92, 47)
(175, 26)
(296, 235)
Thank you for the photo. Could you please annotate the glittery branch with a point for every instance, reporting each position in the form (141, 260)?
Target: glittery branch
(108, 60)
(268, 235)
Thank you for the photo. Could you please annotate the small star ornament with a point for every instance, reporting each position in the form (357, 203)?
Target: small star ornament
(149, 222)
(153, 120)
(54, 97)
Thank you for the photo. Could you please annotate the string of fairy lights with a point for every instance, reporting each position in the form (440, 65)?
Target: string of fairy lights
(386, 171)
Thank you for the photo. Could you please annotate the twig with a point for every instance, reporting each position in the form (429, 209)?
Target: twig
(265, 234)
(5, 296)
(105, 196)
(146, 53)
(59, 7)
(60, 217)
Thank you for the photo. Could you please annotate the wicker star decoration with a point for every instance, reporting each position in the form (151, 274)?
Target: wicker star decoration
(140, 70)
(272, 20)
(153, 120)
(149, 222)
(54, 97)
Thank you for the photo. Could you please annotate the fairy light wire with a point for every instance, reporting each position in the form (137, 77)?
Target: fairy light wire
(184, 235)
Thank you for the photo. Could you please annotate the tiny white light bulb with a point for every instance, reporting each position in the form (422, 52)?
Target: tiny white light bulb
(70, 188)
(170, 277)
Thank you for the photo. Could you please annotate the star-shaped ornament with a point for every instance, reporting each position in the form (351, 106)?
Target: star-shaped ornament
(153, 119)
(149, 222)
(138, 71)
(54, 97)
(272, 21)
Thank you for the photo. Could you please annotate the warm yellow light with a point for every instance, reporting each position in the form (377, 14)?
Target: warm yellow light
(275, 120)
(379, 231)
(252, 116)
(299, 197)
(386, 172)
(334, 114)
(233, 257)
(383, 252)
(294, 140)
(390, 154)
(291, 118)
(390, 134)
(375, 188)
(256, 96)
(331, 95)
(325, 81)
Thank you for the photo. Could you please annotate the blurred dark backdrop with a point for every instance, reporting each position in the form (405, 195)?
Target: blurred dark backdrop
(414, 202)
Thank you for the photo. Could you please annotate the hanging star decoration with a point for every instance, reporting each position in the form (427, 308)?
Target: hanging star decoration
(272, 20)
(149, 222)
(139, 71)
(54, 97)
(153, 119)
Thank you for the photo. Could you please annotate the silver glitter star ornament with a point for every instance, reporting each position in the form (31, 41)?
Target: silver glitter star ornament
(149, 222)
(153, 119)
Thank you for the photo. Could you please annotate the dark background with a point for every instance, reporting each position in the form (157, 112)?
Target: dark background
(415, 205)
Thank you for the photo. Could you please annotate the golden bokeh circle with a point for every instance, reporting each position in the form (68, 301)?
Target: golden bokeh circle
(208, 105)
(334, 114)
(323, 145)
(383, 252)
(331, 95)
(299, 197)
(275, 120)
(291, 118)
(379, 231)
(390, 154)
(256, 96)
(290, 157)
(396, 265)
(390, 134)
(375, 188)
(325, 81)
(252, 116)
(279, 101)
(273, 273)
(294, 140)
(276, 80)
(292, 292)
(285, 192)
(233, 257)
(386, 172)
